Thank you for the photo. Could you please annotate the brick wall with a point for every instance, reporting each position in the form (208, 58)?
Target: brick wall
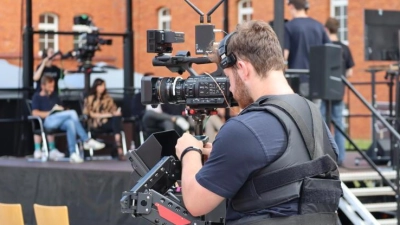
(110, 15)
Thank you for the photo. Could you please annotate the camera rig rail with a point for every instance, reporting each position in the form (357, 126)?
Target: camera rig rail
(145, 199)
(180, 63)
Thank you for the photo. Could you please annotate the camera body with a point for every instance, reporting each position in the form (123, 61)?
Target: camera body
(88, 42)
(197, 92)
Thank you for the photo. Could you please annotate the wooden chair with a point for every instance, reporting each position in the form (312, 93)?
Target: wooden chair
(11, 214)
(50, 215)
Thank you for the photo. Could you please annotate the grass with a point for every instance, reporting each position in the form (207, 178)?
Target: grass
(363, 144)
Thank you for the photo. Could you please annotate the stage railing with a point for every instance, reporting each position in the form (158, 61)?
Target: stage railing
(395, 134)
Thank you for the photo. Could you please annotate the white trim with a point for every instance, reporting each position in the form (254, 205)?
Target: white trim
(244, 11)
(164, 19)
(49, 27)
(341, 17)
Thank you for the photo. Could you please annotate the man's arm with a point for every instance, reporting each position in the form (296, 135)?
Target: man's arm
(198, 200)
(286, 43)
(286, 54)
(41, 114)
(39, 71)
(203, 188)
(349, 72)
(349, 62)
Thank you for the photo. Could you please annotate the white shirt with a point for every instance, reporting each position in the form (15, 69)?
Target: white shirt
(157, 109)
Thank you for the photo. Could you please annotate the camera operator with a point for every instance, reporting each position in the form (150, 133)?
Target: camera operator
(259, 142)
(47, 68)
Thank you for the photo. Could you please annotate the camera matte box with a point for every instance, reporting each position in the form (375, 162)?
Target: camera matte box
(205, 38)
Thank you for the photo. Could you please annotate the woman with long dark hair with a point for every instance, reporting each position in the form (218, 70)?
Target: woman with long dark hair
(103, 113)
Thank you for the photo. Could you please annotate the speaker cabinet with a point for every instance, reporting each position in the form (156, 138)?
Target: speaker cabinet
(325, 72)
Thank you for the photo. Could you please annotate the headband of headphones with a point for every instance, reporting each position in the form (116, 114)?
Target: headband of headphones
(226, 60)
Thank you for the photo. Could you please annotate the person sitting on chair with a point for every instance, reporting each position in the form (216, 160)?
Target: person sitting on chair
(155, 119)
(103, 113)
(46, 105)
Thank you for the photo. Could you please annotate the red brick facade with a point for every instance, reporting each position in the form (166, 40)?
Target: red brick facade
(110, 15)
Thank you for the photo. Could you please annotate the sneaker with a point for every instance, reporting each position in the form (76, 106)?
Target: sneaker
(75, 158)
(37, 154)
(182, 123)
(56, 155)
(91, 143)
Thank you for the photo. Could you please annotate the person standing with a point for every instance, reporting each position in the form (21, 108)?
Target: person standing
(301, 33)
(332, 27)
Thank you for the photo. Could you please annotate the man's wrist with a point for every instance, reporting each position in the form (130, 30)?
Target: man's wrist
(191, 149)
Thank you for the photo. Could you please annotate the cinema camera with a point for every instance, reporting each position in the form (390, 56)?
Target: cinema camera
(156, 167)
(89, 41)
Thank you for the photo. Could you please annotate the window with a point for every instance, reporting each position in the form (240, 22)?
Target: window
(81, 29)
(245, 11)
(48, 22)
(164, 19)
(339, 11)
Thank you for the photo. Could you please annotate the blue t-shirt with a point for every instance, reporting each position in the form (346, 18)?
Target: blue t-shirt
(300, 35)
(44, 103)
(245, 144)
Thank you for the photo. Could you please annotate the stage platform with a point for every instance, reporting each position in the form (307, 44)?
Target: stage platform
(91, 190)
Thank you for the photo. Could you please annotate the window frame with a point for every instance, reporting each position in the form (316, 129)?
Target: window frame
(342, 4)
(164, 18)
(244, 11)
(49, 27)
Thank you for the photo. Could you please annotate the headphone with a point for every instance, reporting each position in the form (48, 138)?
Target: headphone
(226, 60)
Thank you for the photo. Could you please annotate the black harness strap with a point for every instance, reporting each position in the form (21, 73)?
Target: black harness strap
(288, 175)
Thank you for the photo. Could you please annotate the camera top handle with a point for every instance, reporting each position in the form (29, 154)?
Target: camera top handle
(180, 63)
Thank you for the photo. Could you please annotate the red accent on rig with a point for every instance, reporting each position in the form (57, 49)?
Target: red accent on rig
(171, 216)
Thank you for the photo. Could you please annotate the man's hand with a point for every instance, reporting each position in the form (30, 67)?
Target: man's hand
(207, 149)
(185, 141)
(58, 107)
(45, 60)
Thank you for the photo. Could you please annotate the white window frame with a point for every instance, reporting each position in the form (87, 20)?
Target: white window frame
(164, 19)
(49, 27)
(79, 28)
(341, 18)
(244, 11)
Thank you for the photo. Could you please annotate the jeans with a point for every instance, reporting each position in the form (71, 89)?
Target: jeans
(155, 120)
(67, 121)
(337, 117)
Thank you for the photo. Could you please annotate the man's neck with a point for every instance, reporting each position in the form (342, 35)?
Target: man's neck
(333, 37)
(300, 14)
(274, 84)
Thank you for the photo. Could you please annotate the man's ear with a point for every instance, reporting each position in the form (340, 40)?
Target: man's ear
(244, 70)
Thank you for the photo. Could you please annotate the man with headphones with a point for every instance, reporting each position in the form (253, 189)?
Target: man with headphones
(275, 162)
(301, 33)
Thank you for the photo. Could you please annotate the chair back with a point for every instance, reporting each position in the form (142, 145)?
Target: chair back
(11, 214)
(35, 124)
(50, 215)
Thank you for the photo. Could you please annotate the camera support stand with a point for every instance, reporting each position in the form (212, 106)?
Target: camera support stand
(198, 115)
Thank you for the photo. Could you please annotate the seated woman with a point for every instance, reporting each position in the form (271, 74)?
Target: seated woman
(103, 113)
